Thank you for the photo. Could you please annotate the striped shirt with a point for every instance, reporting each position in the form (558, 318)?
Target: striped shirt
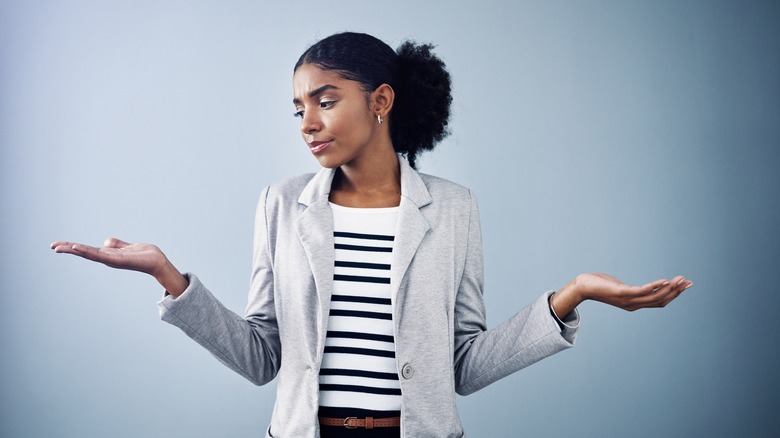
(359, 368)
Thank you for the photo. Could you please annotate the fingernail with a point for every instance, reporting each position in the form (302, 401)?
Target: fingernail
(665, 283)
(690, 283)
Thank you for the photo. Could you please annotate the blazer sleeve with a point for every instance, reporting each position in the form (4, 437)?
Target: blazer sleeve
(483, 356)
(248, 345)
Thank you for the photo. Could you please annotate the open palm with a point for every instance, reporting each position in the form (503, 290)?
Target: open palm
(142, 257)
(610, 290)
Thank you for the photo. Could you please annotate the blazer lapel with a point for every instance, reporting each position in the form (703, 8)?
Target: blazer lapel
(412, 227)
(315, 231)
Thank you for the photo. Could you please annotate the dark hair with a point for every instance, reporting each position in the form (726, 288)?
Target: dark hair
(421, 110)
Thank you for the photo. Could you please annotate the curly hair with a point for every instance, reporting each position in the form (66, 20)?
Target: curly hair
(422, 85)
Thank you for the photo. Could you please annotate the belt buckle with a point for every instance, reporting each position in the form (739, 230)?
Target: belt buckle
(346, 423)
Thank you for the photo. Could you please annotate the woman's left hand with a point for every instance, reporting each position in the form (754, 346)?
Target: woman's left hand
(608, 289)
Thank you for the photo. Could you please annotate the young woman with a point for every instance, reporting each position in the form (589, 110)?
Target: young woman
(366, 291)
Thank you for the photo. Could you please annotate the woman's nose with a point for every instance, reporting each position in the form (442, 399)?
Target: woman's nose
(310, 123)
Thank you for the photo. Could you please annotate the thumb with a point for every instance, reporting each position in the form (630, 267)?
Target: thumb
(113, 242)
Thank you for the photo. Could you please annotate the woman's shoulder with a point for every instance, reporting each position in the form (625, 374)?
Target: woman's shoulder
(291, 186)
(285, 191)
(443, 188)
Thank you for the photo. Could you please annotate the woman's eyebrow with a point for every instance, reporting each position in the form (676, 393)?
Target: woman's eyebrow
(317, 91)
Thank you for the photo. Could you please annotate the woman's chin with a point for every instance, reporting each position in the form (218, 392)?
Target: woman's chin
(328, 162)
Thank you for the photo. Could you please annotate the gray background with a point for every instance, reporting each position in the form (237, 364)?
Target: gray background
(635, 138)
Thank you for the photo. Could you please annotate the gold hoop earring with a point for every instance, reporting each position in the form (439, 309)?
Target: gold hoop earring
(379, 118)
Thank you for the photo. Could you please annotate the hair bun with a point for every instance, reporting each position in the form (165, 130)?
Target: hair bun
(422, 109)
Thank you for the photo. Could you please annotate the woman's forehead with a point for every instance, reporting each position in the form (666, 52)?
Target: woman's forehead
(309, 80)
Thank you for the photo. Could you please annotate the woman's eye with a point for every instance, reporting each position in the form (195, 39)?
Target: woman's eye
(327, 104)
(298, 113)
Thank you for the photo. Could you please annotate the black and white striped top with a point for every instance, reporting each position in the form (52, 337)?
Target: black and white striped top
(359, 368)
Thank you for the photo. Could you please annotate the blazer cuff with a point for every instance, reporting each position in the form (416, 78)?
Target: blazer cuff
(169, 302)
(570, 323)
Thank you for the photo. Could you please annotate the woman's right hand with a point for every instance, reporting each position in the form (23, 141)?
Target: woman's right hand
(142, 257)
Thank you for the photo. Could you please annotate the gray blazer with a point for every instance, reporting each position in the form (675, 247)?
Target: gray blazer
(442, 346)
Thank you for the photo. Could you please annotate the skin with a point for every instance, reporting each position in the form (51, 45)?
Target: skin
(345, 115)
(339, 124)
(141, 257)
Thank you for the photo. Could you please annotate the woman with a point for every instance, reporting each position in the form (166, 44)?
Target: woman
(366, 291)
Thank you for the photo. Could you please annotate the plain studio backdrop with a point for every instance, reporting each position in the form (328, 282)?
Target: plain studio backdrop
(636, 138)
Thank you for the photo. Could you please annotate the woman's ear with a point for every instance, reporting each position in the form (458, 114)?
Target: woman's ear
(382, 100)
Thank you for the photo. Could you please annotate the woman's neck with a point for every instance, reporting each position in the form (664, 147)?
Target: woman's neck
(373, 184)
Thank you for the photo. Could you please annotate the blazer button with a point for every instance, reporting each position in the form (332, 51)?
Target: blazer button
(407, 371)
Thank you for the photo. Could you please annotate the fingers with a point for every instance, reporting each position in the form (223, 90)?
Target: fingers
(656, 285)
(64, 247)
(679, 284)
(684, 283)
(665, 292)
(58, 243)
(70, 247)
(87, 252)
(84, 251)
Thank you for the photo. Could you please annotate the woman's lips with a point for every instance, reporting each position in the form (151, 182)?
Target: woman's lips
(317, 146)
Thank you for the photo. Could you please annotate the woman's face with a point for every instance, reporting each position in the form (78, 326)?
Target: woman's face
(336, 120)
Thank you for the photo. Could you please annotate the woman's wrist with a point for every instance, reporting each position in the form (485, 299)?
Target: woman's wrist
(564, 301)
(171, 279)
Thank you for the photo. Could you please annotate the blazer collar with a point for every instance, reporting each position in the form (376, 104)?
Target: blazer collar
(412, 186)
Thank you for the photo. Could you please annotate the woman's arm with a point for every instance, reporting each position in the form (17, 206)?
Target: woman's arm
(141, 257)
(249, 345)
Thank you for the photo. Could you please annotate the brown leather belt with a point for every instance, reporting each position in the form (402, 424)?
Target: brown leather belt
(368, 422)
